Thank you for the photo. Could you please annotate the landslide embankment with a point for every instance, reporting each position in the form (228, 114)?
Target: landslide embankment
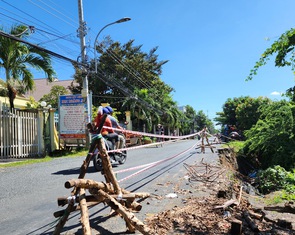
(228, 204)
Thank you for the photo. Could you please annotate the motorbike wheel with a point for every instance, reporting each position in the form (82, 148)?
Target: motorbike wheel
(97, 162)
(123, 158)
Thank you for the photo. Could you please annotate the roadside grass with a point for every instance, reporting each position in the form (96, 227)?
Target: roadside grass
(21, 162)
(236, 145)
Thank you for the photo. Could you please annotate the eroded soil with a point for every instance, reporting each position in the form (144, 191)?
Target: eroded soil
(228, 207)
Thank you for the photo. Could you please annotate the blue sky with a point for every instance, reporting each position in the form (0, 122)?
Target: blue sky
(211, 45)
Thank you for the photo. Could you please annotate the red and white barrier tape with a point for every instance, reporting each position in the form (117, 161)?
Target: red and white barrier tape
(148, 166)
(150, 134)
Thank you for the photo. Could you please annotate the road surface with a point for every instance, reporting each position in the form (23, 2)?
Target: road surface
(29, 193)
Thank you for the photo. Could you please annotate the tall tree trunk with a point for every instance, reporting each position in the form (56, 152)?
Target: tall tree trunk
(11, 94)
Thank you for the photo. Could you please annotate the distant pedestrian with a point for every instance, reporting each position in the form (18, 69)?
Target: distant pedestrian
(159, 131)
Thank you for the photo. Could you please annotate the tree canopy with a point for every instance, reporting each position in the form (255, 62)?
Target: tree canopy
(242, 112)
(284, 50)
(52, 97)
(16, 58)
(271, 140)
(129, 79)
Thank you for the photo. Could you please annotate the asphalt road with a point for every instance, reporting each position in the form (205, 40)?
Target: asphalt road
(28, 194)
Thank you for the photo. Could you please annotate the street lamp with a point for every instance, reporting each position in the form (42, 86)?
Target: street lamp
(116, 22)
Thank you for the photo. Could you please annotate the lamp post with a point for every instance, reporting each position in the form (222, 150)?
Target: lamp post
(95, 41)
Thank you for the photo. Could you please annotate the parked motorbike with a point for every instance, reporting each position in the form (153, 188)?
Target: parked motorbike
(115, 157)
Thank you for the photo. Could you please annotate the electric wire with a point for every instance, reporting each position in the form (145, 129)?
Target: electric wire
(130, 70)
(62, 37)
(132, 73)
(59, 12)
(37, 20)
(40, 48)
(119, 85)
(40, 30)
(126, 91)
(112, 81)
(52, 13)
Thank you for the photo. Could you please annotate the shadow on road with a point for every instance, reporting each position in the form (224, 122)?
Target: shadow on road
(74, 171)
(156, 174)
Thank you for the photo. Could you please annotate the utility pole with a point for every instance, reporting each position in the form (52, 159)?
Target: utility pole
(85, 93)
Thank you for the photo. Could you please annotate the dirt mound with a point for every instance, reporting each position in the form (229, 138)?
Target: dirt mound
(226, 210)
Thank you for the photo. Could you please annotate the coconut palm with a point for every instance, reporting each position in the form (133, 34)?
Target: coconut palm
(16, 58)
(141, 107)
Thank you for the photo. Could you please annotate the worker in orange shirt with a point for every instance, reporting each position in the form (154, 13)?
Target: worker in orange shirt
(107, 133)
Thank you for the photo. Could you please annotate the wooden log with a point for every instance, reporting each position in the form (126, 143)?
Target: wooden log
(88, 184)
(62, 201)
(255, 215)
(129, 217)
(236, 227)
(227, 204)
(107, 167)
(63, 219)
(84, 213)
(60, 213)
(251, 223)
(77, 207)
(92, 147)
(133, 195)
(240, 195)
(128, 199)
(133, 205)
(283, 209)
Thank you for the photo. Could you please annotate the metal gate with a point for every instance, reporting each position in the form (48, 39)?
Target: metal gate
(19, 131)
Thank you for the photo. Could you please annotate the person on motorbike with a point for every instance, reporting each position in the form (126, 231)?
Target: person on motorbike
(116, 125)
(108, 133)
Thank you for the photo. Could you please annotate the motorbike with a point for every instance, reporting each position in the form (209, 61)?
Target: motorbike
(115, 157)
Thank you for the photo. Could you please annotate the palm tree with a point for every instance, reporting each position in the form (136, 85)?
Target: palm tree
(141, 107)
(16, 58)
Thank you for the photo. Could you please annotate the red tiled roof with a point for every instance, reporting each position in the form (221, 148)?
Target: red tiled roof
(43, 87)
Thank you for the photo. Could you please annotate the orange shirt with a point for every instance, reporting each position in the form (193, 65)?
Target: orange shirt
(107, 123)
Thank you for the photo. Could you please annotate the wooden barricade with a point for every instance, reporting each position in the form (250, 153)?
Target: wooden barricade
(109, 192)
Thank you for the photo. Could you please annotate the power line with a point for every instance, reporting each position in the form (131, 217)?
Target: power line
(59, 12)
(52, 13)
(37, 20)
(40, 48)
(38, 30)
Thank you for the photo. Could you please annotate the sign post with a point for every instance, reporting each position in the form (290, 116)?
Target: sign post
(72, 117)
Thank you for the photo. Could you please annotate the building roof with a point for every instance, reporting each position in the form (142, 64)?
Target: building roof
(43, 87)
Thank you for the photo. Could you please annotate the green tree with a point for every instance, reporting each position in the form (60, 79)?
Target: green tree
(242, 112)
(228, 115)
(52, 97)
(122, 69)
(191, 116)
(271, 141)
(248, 112)
(284, 50)
(132, 78)
(16, 58)
(142, 113)
(202, 121)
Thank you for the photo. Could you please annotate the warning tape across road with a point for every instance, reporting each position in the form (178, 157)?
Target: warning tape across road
(150, 165)
(174, 138)
(146, 167)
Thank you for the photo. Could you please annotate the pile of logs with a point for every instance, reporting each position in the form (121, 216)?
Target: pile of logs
(109, 192)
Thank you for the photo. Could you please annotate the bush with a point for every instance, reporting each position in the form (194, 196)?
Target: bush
(271, 141)
(276, 178)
